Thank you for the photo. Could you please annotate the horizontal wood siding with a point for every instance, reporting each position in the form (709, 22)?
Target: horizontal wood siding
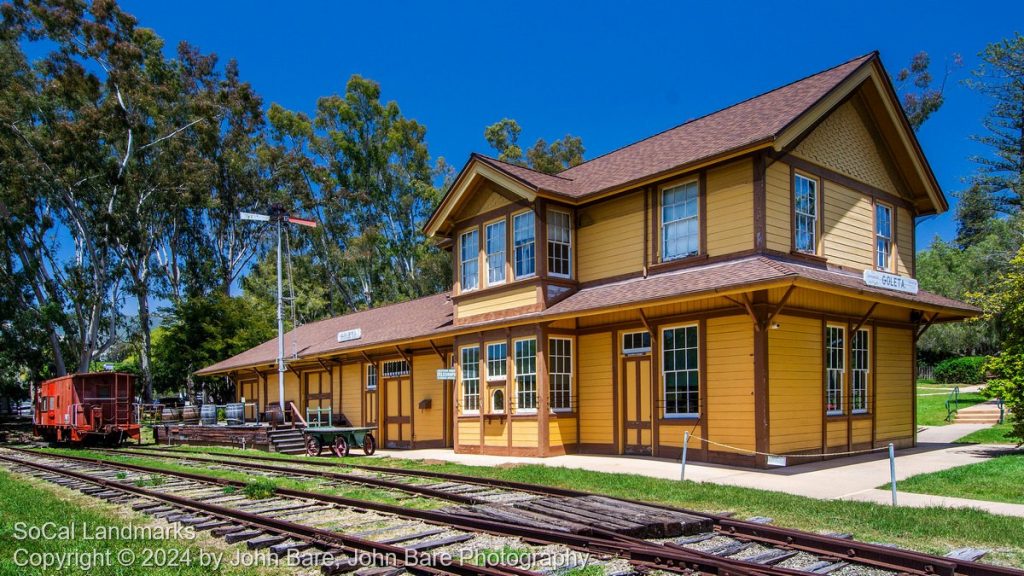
(730, 382)
(495, 433)
(468, 432)
(525, 296)
(861, 431)
(904, 242)
(524, 433)
(730, 208)
(894, 403)
(837, 433)
(610, 238)
(778, 213)
(595, 389)
(848, 222)
(428, 424)
(795, 384)
(561, 432)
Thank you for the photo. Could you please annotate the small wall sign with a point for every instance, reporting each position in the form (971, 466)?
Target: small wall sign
(775, 460)
(348, 335)
(446, 373)
(890, 281)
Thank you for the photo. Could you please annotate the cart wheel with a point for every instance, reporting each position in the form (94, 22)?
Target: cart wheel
(340, 447)
(313, 446)
(369, 445)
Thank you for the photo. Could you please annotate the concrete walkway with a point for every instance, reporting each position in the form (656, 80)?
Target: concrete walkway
(853, 478)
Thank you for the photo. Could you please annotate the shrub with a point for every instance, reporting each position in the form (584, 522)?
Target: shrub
(259, 489)
(1008, 385)
(965, 370)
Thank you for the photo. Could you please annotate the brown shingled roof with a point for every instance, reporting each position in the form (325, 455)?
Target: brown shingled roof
(432, 316)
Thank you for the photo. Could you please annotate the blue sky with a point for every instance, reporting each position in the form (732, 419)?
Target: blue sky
(609, 72)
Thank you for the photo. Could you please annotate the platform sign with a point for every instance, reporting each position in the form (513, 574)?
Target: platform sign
(446, 373)
(890, 281)
(776, 460)
(348, 335)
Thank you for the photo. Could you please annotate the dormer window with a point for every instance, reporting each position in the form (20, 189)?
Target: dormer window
(680, 229)
(559, 244)
(469, 259)
(524, 232)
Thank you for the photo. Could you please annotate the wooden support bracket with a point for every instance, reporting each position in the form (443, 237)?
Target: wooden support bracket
(927, 325)
(865, 318)
(782, 304)
(444, 361)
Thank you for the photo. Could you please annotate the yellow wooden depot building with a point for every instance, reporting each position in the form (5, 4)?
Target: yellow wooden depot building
(747, 277)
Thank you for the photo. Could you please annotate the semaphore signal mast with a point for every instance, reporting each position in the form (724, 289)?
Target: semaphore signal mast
(279, 216)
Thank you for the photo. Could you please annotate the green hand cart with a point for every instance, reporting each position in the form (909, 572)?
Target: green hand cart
(319, 433)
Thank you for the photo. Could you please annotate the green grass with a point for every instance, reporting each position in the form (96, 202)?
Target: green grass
(994, 435)
(28, 502)
(259, 489)
(1000, 479)
(931, 404)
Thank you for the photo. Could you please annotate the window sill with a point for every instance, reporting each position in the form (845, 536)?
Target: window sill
(681, 417)
(813, 257)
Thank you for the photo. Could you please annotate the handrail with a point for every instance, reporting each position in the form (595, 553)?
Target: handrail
(296, 415)
(1002, 410)
(318, 413)
(954, 398)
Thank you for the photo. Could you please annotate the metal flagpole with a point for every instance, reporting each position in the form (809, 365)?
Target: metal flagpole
(280, 323)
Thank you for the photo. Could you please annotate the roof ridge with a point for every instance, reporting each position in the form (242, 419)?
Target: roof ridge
(873, 53)
(493, 159)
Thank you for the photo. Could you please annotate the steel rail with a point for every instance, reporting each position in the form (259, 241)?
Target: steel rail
(851, 550)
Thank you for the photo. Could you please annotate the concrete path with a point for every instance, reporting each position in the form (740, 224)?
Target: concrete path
(854, 478)
(947, 434)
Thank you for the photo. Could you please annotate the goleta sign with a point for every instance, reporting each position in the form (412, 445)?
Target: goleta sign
(890, 281)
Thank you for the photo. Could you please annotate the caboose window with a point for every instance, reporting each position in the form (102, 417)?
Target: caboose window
(103, 391)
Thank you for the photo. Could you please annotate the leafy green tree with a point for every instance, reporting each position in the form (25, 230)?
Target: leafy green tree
(976, 211)
(1001, 77)
(503, 137)
(918, 93)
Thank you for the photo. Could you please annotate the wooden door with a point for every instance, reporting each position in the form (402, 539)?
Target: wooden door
(317, 394)
(398, 408)
(249, 389)
(636, 403)
(371, 409)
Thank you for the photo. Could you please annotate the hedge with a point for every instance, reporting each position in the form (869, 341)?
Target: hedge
(965, 370)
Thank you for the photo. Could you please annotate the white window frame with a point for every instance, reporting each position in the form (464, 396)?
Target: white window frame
(372, 377)
(553, 232)
(469, 260)
(395, 368)
(496, 260)
(522, 376)
(684, 221)
(803, 215)
(468, 396)
(642, 351)
(495, 409)
(835, 371)
(885, 240)
(532, 244)
(491, 376)
(566, 361)
(685, 370)
(860, 372)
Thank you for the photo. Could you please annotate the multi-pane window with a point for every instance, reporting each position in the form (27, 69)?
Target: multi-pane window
(523, 232)
(497, 366)
(859, 363)
(495, 243)
(559, 244)
(560, 373)
(835, 367)
(470, 374)
(396, 368)
(680, 371)
(883, 237)
(526, 375)
(371, 376)
(469, 259)
(636, 343)
(680, 230)
(805, 206)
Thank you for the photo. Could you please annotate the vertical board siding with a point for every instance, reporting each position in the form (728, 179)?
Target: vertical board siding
(352, 393)
(778, 210)
(595, 388)
(795, 384)
(894, 391)
(848, 224)
(610, 238)
(428, 424)
(730, 208)
(730, 382)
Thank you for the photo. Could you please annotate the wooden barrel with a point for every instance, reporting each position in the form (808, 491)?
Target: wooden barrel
(208, 414)
(190, 414)
(235, 413)
(274, 415)
(170, 414)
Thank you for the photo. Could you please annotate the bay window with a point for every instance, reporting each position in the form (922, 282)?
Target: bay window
(560, 373)
(469, 260)
(495, 243)
(526, 375)
(523, 231)
(469, 368)
(559, 244)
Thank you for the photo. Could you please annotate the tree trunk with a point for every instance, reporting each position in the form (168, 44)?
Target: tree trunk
(142, 295)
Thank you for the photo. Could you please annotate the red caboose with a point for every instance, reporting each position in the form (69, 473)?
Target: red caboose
(94, 407)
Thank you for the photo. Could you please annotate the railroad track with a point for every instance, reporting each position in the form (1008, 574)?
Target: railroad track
(719, 545)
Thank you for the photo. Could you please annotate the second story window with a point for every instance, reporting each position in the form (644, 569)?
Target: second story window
(469, 260)
(559, 244)
(805, 217)
(495, 243)
(883, 237)
(680, 229)
(523, 231)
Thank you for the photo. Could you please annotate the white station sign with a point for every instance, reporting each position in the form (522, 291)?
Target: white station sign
(446, 373)
(890, 281)
(347, 335)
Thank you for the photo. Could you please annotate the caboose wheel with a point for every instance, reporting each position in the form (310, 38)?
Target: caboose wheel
(313, 446)
(340, 447)
(369, 445)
